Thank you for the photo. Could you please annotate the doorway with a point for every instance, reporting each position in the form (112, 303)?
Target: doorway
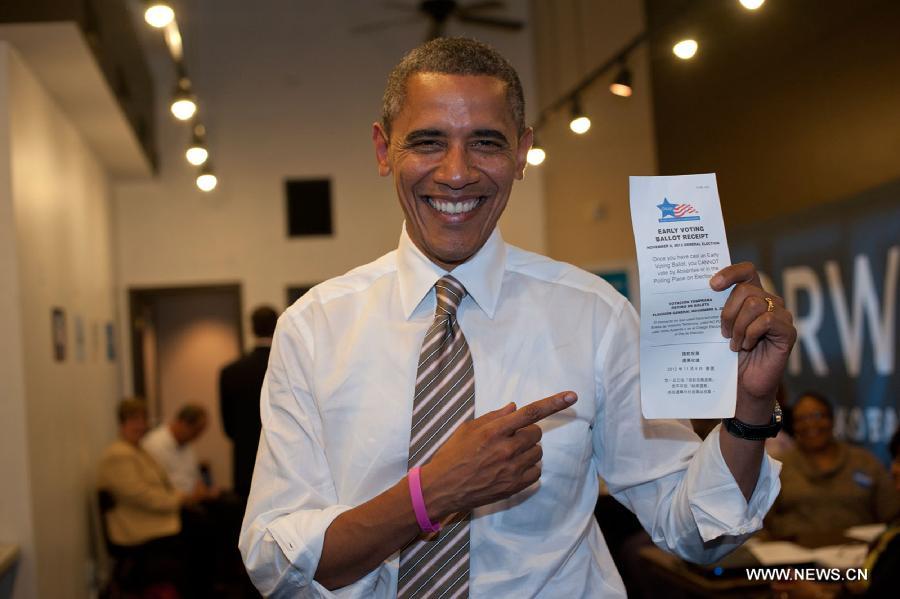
(181, 338)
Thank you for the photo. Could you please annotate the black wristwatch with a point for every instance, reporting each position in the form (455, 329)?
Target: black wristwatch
(754, 432)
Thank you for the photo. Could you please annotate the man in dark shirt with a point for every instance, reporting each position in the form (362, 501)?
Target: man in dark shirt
(239, 386)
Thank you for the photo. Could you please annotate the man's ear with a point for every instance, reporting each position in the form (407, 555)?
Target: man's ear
(382, 145)
(525, 141)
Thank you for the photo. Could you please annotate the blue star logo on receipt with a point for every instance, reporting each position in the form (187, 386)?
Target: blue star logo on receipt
(674, 213)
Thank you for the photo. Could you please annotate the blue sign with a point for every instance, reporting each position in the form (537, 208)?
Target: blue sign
(837, 269)
(618, 279)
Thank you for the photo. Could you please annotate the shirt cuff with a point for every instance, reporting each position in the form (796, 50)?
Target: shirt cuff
(301, 535)
(717, 503)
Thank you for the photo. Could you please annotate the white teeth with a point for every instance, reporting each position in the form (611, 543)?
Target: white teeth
(452, 207)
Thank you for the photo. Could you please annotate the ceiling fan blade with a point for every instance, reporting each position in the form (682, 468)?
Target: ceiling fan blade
(384, 24)
(483, 5)
(400, 6)
(511, 24)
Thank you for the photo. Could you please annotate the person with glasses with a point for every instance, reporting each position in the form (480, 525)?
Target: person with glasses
(882, 562)
(827, 485)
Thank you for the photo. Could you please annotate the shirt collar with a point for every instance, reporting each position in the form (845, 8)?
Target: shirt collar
(481, 275)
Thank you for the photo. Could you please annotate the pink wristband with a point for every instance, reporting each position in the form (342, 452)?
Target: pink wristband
(418, 501)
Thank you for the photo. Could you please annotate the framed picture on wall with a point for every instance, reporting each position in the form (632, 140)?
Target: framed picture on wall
(95, 340)
(110, 342)
(59, 333)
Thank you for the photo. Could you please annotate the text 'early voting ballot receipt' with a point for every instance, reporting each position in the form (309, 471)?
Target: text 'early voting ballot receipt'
(687, 367)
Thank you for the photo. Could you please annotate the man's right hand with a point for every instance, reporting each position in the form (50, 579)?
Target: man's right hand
(489, 458)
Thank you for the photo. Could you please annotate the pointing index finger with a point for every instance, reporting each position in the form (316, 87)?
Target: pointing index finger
(535, 412)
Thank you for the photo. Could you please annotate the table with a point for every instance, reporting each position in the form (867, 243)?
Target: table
(672, 570)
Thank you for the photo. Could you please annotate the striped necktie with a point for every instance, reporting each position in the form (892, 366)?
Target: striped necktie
(437, 566)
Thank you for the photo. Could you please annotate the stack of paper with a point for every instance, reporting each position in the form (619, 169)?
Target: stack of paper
(779, 553)
(865, 532)
(784, 553)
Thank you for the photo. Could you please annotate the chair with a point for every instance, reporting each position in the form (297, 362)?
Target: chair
(133, 574)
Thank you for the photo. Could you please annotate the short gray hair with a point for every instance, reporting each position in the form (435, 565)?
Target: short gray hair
(452, 56)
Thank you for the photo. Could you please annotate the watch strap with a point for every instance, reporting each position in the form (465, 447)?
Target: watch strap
(754, 432)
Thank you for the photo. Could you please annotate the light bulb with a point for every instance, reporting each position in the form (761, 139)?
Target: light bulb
(196, 155)
(536, 156)
(173, 41)
(685, 49)
(619, 89)
(207, 182)
(621, 86)
(752, 4)
(183, 108)
(159, 14)
(580, 125)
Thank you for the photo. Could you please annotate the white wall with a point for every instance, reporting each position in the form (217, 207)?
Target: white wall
(59, 199)
(15, 506)
(286, 90)
(586, 177)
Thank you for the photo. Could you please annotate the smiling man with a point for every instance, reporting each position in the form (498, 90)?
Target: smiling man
(394, 460)
(454, 154)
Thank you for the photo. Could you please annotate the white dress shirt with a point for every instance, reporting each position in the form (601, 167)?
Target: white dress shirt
(179, 462)
(336, 408)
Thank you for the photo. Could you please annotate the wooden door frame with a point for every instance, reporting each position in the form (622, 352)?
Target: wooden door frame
(143, 298)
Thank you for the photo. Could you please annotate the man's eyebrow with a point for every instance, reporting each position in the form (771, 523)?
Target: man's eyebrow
(490, 134)
(423, 134)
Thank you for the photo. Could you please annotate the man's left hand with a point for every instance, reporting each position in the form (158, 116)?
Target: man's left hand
(760, 328)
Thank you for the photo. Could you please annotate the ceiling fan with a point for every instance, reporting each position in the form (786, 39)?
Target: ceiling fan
(439, 12)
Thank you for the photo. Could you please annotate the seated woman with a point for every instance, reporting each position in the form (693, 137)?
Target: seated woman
(146, 506)
(882, 562)
(827, 485)
(145, 518)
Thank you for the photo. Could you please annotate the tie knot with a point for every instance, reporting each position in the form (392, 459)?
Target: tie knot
(449, 293)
